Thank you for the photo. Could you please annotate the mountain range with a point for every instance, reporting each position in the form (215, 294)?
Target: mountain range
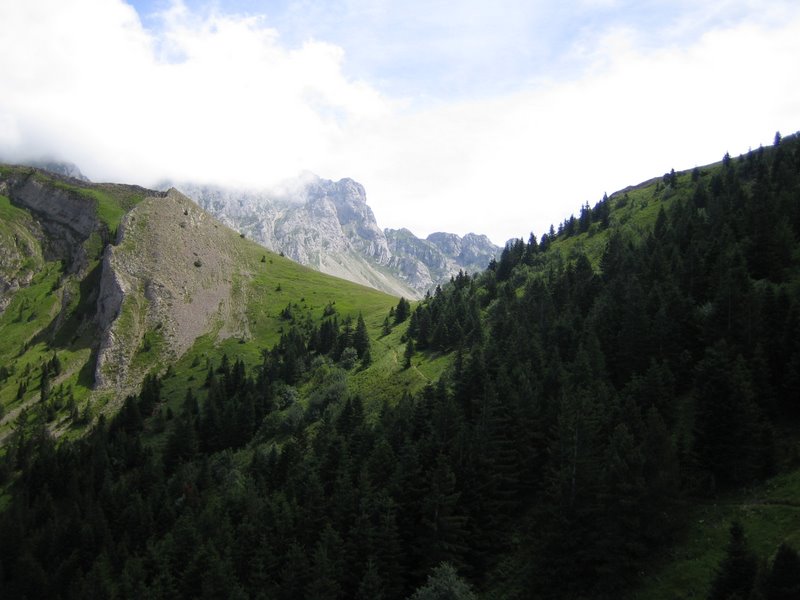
(328, 226)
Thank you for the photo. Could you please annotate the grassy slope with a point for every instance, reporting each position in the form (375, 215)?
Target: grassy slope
(112, 201)
(28, 325)
(30, 312)
(770, 515)
(633, 212)
(278, 282)
(265, 291)
(24, 252)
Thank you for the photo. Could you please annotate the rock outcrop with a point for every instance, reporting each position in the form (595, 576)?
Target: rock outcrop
(328, 225)
(424, 264)
(166, 282)
(66, 218)
(21, 241)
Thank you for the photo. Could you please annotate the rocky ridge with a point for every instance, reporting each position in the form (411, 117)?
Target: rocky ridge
(168, 280)
(65, 218)
(329, 226)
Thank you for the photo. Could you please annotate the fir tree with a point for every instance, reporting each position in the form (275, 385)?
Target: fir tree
(783, 580)
(361, 337)
(409, 353)
(737, 571)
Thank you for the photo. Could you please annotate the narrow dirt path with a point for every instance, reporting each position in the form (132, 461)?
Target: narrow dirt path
(397, 362)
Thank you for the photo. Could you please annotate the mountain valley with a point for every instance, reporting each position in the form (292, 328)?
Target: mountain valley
(608, 410)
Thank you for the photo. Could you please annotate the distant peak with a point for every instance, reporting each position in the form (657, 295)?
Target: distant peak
(58, 167)
(442, 235)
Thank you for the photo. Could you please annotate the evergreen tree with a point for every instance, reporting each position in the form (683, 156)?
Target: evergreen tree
(402, 311)
(326, 567)
(444, 584)
(728, 424)
(361, 337)
(409, 352)
(737, 571)
(44, 384)
(370, 587)
(783, 580)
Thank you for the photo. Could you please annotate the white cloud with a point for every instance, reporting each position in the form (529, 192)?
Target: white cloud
(221, 98)
(215, 98)
(525, 160)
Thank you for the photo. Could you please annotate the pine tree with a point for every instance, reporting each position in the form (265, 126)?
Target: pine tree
(737, 571)
(44, 384)
(442, 517)
(361, 337)
(326, 567)
(402, 311)
(783, 580)
(371, 586)
(366, 359)
(409, 352)
(728, 423)
(444, 584)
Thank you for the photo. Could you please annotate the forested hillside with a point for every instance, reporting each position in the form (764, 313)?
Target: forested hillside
(638, 361)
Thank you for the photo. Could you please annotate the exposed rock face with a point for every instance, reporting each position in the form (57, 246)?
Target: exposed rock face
(432, 261)
(113, 352)
(472, 252)
(20, 253)
(328, 225)
(171, 272)
(53, 222)
(66, 218)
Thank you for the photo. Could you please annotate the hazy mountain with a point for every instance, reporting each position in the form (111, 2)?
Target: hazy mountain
(329, 226)
(59, 167)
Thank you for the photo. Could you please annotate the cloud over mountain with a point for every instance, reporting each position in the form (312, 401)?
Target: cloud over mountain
(461, 123)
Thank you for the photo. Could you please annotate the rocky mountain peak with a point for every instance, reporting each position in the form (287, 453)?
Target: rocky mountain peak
(329, 226)
(449, 243)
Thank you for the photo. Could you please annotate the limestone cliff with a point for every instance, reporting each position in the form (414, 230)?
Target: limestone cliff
(329, 226)
(167, 281)
(66, 218)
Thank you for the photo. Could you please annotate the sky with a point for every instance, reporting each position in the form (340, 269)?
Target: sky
(494, 117)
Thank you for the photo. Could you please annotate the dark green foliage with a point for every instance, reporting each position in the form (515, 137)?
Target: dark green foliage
(667, 344)
(408, 353)
(366, 358)
(728, 428)
(44, 385)
(783, 580)
(737, 572)
(444, 584)
(583, 409)
(361, 337)
(402, 311)
(348, 358)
